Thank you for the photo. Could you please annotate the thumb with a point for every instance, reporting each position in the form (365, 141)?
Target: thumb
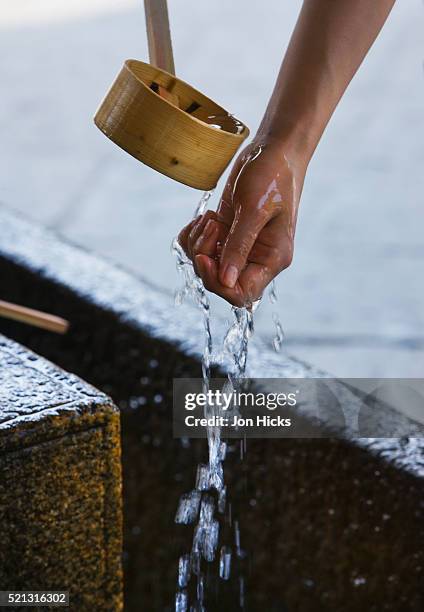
(247, 224)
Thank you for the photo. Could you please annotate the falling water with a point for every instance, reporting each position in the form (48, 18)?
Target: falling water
(279, 333)
(193, 287)
(199, 503)
(203, 203)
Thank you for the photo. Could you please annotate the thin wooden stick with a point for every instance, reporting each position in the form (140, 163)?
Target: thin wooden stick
(159, 35)
(33, 317)
(160, 44)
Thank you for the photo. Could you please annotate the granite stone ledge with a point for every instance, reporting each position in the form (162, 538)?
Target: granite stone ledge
(60, 483)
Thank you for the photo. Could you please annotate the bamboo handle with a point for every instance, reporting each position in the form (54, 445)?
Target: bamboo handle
(33, 317)
(159, 35)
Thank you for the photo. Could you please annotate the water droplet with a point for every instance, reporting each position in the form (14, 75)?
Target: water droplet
(188, 508)
(181, 601)
(184, 571)
(225, 563)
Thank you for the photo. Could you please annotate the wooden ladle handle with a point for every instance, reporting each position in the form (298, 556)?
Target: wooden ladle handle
(33, 317)
(159, 35)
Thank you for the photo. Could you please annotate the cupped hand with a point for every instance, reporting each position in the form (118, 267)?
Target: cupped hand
(241, 247)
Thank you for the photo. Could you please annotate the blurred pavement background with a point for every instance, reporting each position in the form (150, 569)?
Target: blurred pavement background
(353, 301)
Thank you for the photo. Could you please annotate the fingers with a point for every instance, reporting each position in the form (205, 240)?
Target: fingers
(198, 228)
(271, 253)
(192, 231)
(203, 235)
(208, 271)
(206, 243)
(250, 287)
(185, 232)
(242, 236)
(196, 231)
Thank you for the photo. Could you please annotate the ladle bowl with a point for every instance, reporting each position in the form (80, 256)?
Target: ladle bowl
(169, 125)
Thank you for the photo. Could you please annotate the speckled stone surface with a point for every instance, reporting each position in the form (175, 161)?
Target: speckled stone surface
(60, 483)
(327, 525)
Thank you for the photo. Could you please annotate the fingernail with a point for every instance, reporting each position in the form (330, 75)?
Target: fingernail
(230, 276)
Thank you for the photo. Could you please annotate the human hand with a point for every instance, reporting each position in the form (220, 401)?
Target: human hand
(241, 247)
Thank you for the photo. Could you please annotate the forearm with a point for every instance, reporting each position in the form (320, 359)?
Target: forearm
(330, 40)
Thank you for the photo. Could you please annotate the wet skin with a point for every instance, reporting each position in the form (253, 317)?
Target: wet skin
(241, 247)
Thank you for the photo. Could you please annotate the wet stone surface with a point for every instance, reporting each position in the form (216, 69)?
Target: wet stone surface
(60, 483)
(324, 525)
(29, 386)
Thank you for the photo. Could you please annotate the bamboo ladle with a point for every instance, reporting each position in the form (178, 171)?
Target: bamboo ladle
(164, 122)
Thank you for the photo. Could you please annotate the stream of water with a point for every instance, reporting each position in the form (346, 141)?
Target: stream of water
(278, 339)
(200, 506)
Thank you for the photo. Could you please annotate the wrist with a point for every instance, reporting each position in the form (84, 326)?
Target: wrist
(292, 139)
(290, 147)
